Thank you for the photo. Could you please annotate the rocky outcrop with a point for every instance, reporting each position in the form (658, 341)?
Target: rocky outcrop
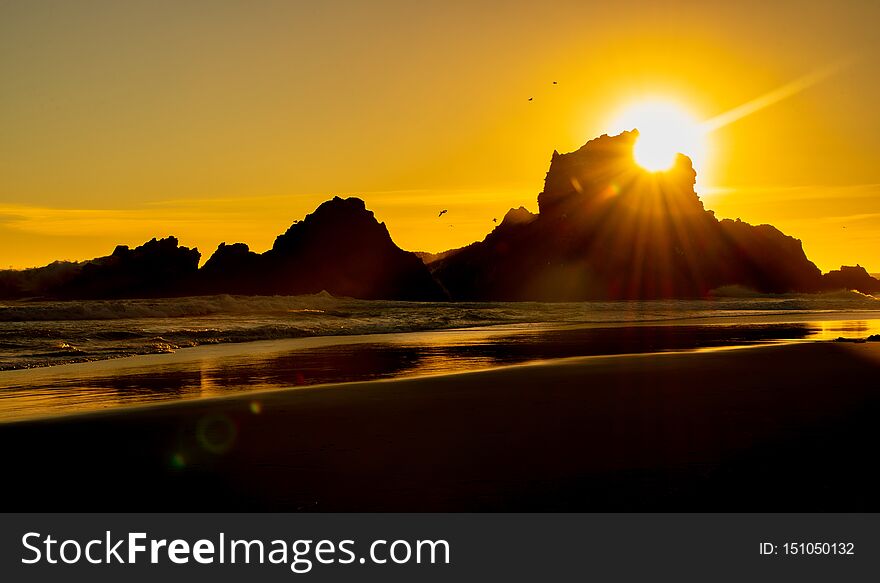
(607, 229)
(159, 267)
(37, 281)
(232, 269)
(340, 248)
(851, 278)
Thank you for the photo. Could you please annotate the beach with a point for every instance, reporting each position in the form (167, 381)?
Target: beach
(58, 358)
(782, 427)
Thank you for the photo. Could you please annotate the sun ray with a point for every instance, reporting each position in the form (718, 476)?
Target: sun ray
(788, 90)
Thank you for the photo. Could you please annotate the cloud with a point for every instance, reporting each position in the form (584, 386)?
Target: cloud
(74, 222)
(9, 218)
(803, 192)
(850, 218)
(35, 235)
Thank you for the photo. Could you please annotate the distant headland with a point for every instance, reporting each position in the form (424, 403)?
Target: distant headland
(606, 230)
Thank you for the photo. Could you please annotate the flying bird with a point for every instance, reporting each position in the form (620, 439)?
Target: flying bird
(443, 212)
(554, 83)
(494, 220)
(530, 98)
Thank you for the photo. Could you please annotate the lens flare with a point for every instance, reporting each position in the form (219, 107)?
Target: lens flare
(216, 433)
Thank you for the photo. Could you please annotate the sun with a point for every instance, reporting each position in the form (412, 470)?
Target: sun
(665, 130)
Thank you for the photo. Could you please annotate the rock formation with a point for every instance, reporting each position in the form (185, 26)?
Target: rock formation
(607, 229)
(159, 267)
(854, 278)
(340, 248)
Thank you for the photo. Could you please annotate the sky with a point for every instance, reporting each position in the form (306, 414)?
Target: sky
(225, 121)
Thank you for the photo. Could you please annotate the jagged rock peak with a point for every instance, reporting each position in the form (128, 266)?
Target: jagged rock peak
(606, 165)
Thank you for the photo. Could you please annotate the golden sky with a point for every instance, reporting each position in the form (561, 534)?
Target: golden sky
(225, 121)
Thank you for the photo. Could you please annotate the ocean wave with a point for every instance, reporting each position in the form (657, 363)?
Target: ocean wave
(49, 333)
(322, 304)
(738, 291)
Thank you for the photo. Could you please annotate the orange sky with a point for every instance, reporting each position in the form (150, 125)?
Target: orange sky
(225, 121)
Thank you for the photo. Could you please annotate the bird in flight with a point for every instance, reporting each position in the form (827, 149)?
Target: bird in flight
(443, 212)
(494, 220)
(531, 98)
(555, 83)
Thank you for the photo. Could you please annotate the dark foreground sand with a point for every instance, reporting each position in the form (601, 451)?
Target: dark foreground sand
(792, 427)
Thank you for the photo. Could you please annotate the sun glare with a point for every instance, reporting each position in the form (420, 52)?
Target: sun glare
(665, 130)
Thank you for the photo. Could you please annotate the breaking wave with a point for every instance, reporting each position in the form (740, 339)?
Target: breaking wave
(163, 308)
(43, 333)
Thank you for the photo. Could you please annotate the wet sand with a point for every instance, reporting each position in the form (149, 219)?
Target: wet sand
(216, 370)
(784, 428)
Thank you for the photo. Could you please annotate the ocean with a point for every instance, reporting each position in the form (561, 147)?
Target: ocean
(59, 357)
(41, 333)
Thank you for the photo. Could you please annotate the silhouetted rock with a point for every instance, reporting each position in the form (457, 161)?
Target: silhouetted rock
(156, 268)
(159, 267)
(513, 218)
(516, 217)
(340, 248)
(608, 229)
(851, 278)
(428, 258)
(232, 269)
(37, 281)
(763, 258)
